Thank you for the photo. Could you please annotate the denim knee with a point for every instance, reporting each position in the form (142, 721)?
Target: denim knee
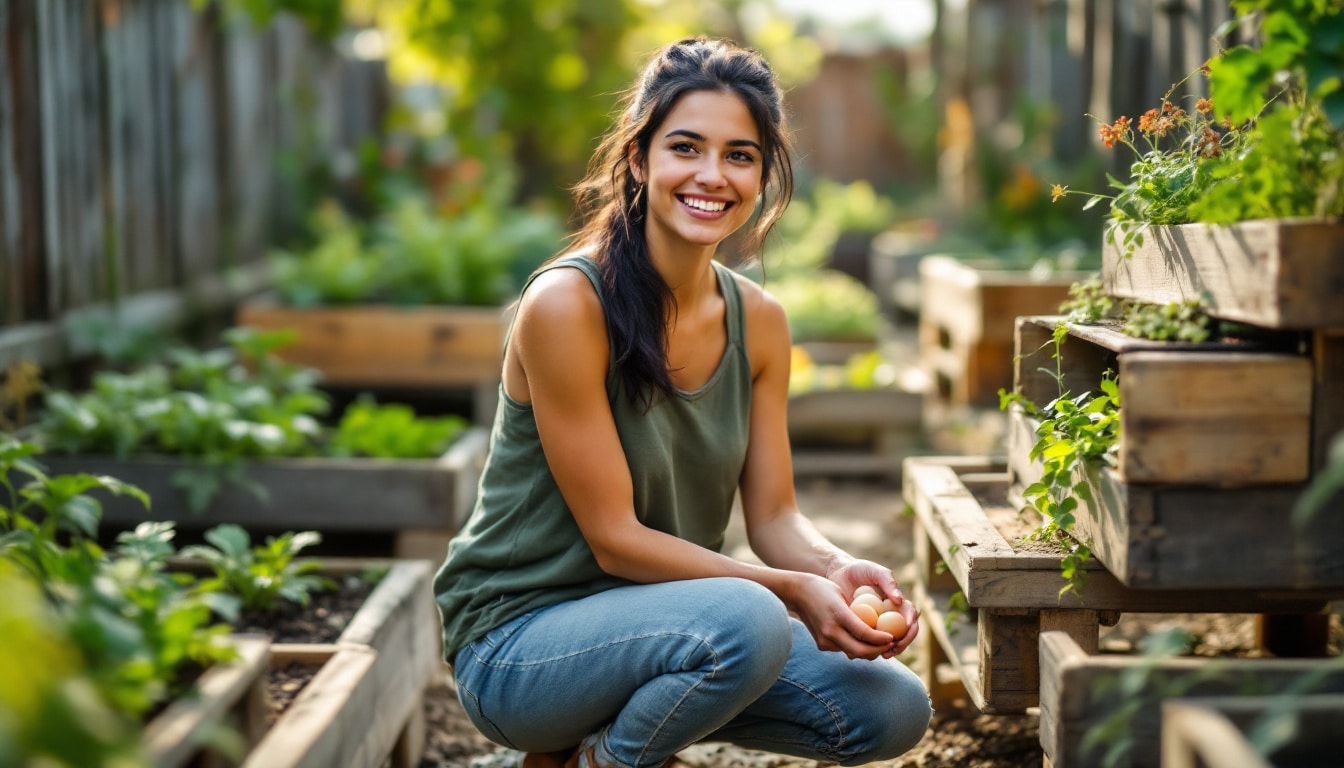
(898, 717)
(750, 626)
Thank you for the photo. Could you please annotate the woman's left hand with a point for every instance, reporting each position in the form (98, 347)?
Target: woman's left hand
(858, 573)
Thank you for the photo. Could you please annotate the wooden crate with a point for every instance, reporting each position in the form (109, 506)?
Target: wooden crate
(1274, 273)
(1081, 692)
(1181, 536)
(853, 431)
(231, 696)
(1211, 731)
(387, 346)
(1012, 588)
(1220, 414)
(420, 500)
(966, 319)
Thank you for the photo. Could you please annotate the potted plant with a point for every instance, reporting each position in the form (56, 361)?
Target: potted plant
(415, 298)
(1235, 199)
(233, 435)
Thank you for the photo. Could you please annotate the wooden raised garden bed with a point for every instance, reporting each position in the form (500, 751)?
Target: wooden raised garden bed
(969, 540)
(1188, 489)
(423, 500)
(966, 319)
(853, 431)
(1271, 273)
(225, 696)
(388, 346)
(1212, 731)
(1081, 692)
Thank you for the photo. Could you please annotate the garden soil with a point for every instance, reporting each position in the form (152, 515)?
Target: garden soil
(865, 517)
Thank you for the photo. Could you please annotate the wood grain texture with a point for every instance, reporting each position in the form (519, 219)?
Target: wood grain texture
(376, 345)
(1271, 273)
(1212, 731)
(1078, 692)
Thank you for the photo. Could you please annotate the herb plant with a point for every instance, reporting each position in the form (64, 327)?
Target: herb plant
(392, 431)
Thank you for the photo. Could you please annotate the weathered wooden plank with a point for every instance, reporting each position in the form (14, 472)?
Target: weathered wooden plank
(247, 109)
(1272, 273)
(375, 345)
(327, 722)
(1078, 692)
(192, 46)
(175, 736)
(11, 265)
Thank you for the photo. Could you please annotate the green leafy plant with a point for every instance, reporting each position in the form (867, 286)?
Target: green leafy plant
(392, 431)
(828, 305)
(263, 577)
(1174, 321)
(1076, 434)
(139, 631)
(1088, 302)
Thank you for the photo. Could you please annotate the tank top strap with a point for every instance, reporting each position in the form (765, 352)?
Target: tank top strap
(732, 299)
(589, 268)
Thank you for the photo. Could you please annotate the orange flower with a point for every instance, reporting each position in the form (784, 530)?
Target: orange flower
(1209, 144)
(1057, 191)
(1148, 121)
(1204, 106)
(1113, 133)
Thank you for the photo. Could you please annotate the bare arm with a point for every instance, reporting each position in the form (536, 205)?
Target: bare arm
(777, 530)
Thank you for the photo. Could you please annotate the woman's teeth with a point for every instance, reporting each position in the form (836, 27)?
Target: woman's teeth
(713, 206)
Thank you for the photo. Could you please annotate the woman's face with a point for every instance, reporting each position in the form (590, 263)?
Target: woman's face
(703, 172)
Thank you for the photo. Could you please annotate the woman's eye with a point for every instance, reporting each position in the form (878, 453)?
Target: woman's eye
(743, 157)
(683, 146)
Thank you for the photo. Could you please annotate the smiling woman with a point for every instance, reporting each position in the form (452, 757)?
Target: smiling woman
(645, 386)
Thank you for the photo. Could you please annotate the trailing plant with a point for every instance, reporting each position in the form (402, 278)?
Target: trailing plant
(1087, 302)
(1075, 434)
(263, 577)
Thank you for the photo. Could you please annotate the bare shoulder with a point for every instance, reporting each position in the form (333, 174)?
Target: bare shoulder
(767, 327)
(760, 306)
(559, 298)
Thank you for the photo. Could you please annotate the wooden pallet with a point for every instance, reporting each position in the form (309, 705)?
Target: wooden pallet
(1012, 591)
(1082, 693)
(966, 318)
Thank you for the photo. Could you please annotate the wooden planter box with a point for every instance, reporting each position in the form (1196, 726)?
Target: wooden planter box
(1271, 273)
(418, 499)
(968, 540)
(1212, 731)
(390, 346)
(966, 316)
(1218, 414)
(853, 431)
(1080, 692)
(229, 696)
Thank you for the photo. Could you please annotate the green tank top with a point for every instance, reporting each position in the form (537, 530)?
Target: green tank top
(521, 549)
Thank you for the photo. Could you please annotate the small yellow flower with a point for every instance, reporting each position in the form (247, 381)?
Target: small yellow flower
(1057, 191)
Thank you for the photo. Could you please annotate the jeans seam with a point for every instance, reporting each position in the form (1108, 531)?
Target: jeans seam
(833, 753)
(595, 648)
(710, 675)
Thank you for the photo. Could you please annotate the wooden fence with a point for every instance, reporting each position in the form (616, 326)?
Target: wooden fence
(140, 154)
(1104, 57)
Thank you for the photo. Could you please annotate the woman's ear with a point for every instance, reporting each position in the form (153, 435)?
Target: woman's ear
(636, 163)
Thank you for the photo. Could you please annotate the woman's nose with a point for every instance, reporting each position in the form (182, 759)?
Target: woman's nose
(710, 173)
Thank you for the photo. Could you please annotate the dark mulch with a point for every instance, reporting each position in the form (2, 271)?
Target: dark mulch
(321, 621)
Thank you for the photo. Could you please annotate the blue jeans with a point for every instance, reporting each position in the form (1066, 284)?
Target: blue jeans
(658, 667)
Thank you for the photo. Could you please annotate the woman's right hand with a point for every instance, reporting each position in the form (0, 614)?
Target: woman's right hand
(823, 608)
